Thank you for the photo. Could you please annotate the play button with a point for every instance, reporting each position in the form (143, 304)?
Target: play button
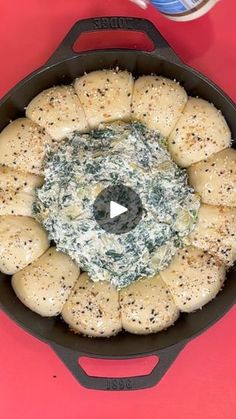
(117, 209)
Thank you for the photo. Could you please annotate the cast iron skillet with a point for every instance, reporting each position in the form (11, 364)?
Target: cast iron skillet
(63, 67)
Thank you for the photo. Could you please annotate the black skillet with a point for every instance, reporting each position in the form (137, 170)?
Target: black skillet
(63, 67)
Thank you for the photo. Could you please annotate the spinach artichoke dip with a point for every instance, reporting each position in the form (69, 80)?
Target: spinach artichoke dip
(81, 167)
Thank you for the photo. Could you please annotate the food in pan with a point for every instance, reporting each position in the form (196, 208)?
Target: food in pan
(109, 128)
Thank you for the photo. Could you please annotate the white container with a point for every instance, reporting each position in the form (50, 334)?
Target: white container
(180, 10)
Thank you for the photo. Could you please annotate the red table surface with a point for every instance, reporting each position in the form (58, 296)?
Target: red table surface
(33, 381)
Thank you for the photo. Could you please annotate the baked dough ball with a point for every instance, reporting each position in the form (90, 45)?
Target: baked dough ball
(11, 179)
(215, 232)
(17, 191)
(58, 110)
(200, 132)
(22, 241)
(105, 95)
(45, 285)
(93, 308)
(22, 146)
(158, 102)
(147, 306)
(215, 178)
(16, 203)
(194, 278)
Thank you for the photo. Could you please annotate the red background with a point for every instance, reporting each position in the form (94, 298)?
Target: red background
(34, 384)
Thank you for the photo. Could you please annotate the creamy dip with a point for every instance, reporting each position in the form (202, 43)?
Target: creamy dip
(120, 153)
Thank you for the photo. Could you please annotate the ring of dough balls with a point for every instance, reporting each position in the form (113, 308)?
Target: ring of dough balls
(48, 281)
(45, 284)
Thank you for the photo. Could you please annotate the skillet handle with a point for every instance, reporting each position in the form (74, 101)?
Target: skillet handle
(115, 23)
(166, 358)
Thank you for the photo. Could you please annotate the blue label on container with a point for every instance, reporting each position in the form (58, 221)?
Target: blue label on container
(175, 6)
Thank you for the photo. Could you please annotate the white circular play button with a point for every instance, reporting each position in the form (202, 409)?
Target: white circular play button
(117, 209)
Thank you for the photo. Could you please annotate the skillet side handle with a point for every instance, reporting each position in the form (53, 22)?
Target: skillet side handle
(115, 23)
(166, 358)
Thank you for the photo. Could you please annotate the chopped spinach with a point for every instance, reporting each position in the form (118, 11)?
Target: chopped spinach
(81, 167)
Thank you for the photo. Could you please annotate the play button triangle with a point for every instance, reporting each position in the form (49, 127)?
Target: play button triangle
(116, 209)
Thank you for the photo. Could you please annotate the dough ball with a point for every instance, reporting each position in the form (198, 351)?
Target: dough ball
(215, 232)
(16, 203)
(19, 181)
(194, 278)
(93, 308)
(147, 306)
(158, 103)
(59, 111)
(23, 240)
(215, 178)
(45, 285)
(22, 146)
(200, 132)
(105, 95)
(17, 191)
